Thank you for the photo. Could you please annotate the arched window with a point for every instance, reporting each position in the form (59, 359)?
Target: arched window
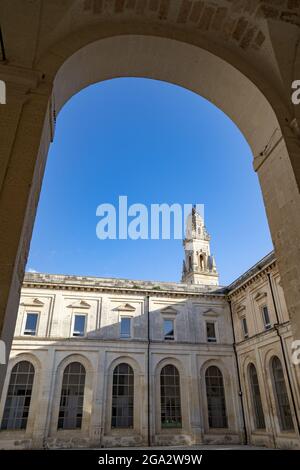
(201, 262)
(122, 397)
(170, 397)
(256, 398)
(190, 263)
(72, 394)
(217, 417)
(18, 398)
(282, 400)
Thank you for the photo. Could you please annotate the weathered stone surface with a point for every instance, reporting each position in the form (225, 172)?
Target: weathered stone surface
(184, 11)
(46, 66)
(206, 18)
(240, 29)
(219, 17)
(197, 8)
(248, 36)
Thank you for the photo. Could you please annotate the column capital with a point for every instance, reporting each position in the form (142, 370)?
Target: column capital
(21, 82)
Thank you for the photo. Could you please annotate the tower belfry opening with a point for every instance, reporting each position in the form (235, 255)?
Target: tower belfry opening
(199, 266)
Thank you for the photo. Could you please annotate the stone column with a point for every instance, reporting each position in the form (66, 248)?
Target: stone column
(24, 140)
(97, 425)
(195, 410)
(282, 201)
(46, 382)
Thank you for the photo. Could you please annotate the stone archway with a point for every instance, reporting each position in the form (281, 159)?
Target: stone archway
(98, 48)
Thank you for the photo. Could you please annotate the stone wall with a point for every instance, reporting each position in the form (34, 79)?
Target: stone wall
(262, 287)
(101, 350)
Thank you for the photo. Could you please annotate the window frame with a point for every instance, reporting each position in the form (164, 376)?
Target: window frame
(258, 414)
(169, 337)
(164, 397)
(125, 317)
(31, 312)
(215, 338)
(61, 396)
(114, 397)
(14, 384)
(279, 409)
(79, 314)
(267, 325)
(245, 331)
(208, 414)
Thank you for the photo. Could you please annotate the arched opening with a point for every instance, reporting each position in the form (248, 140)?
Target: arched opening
(122, 397)
(153, 57)
(281, 396)
(201, 262)
(216, 405)
(18, 399)
(127, 146)
(170, 400)
(72, 397)
(256, 398)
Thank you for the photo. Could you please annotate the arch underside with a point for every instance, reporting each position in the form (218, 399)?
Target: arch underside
(175, 62)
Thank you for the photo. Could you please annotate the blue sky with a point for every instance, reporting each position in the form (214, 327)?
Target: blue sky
(156, 143)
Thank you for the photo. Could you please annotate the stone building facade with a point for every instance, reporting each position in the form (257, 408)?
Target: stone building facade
(241, 55)
(100, 362)
(262, 334)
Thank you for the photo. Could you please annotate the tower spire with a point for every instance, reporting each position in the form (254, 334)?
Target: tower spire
(199, 265)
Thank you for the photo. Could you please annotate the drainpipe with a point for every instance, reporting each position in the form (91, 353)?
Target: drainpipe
(148, 371)
(239, 376)
(283, 353)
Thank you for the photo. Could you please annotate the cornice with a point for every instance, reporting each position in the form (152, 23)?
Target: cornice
(121, 290)
(251, 280)
(263, 334)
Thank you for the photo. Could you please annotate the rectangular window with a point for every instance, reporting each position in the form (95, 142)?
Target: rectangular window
(169, 329)
(245, 327)
(79, 325)
(211, 332)
(125, 328)
(31, 324)
(266, 317)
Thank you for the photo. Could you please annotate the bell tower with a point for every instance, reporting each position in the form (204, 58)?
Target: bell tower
(199, 265)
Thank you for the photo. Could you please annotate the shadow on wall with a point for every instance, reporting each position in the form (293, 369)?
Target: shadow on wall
(100, 352)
